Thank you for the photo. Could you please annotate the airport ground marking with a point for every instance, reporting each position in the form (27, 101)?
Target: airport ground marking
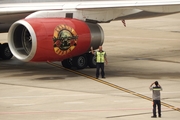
(114, 86)
(77, 111)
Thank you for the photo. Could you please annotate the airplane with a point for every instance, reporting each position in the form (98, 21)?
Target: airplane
(57, 30)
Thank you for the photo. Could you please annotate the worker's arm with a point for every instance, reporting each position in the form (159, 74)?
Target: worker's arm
(92, 51)
(150, 87)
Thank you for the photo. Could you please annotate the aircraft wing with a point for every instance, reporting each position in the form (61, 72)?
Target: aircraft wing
(152, 5)
(159, 5)
(115, 8)
(16, 8)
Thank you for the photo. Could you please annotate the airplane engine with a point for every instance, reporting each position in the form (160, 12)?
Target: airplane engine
(53, 39)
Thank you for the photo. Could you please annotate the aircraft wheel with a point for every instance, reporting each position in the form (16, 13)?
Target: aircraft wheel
(80, 62)
(91, 60)
(67, 63)
(5, 52)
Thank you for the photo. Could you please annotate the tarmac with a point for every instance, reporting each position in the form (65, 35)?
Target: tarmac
(145, 51)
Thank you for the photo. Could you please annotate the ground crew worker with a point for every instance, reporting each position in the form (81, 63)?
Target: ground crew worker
(100, 59)
(156, 98)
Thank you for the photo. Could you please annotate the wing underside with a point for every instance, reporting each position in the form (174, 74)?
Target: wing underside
(93, 11)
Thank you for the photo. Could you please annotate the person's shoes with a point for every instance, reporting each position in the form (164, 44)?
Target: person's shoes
(97, 77)
(153, 116)
(104, 77)
(159, 116)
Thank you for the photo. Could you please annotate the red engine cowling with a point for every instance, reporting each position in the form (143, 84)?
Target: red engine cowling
(53, 39)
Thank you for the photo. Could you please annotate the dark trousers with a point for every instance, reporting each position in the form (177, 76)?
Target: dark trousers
(158, 104)
(100, 66)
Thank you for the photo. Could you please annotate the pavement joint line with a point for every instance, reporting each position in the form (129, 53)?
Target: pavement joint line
(113, 85)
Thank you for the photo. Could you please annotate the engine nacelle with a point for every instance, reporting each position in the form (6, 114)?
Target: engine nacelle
(53, 39)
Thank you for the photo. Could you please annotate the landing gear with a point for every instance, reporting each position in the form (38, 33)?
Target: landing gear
(67, 63)
(91, 60)
(80, 62)
(5, 52)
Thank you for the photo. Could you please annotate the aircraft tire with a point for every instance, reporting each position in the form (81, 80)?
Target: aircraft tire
(5, 52)
(80, 62)
(91, 60)
(67, 63)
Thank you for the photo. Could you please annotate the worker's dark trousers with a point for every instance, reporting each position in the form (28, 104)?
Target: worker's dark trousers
(157, 103)
(98, 66)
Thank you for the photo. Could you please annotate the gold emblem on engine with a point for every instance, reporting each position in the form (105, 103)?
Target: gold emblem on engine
(65, 39)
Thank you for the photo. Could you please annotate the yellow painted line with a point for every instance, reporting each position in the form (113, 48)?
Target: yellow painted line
(114, 86)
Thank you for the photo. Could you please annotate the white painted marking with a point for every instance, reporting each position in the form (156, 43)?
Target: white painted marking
(46, 96)
(74, 95)
(147, 93)
(178, 99)
(121, 37)
(74, 102)
(23, 104)
(123, 101)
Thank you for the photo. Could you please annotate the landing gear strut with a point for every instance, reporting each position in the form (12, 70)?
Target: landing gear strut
(5, 52)
(80, 62)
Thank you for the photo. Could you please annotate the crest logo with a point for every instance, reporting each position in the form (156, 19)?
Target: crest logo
(65, 39)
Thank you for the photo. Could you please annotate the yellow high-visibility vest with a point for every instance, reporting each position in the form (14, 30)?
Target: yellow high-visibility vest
(100, 57)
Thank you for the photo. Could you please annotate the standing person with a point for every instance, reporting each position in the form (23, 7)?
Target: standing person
(156, 98)
(100, 59)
